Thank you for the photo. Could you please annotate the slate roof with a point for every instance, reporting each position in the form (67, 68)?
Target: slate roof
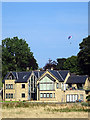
(60, 75)
(23, 76)
(38, 73)
(19, 76)
(77, 79)
(63, 73)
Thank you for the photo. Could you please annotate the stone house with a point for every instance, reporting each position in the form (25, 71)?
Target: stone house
(49, 85)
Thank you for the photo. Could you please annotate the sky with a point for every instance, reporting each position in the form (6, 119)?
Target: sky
(46, 27)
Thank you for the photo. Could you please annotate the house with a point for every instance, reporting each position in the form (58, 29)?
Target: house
(49, 85)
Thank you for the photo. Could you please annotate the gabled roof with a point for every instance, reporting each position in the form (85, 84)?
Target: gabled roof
(49, 77)
(23, 76)
(13, 73)
(20, 76)
(77, 79)
(60, 75)
(63, 73)
(38, 73)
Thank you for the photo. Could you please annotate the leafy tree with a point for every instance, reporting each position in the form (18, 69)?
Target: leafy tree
(50, 64)
(71, 64)
(16, 56)
(84, 56)
(60, 63)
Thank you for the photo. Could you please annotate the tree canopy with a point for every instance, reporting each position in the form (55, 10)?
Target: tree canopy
(84, 56)
(60, 63)
(17, 56)
(71, 64)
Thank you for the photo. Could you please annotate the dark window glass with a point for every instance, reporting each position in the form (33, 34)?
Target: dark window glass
(23, 85)
(23, 95)
(6, 86)
(11, 95)
(6, 95)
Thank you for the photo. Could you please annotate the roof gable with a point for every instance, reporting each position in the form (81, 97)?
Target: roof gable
(44, 78)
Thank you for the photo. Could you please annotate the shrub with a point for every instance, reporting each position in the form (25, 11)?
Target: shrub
(84, 104)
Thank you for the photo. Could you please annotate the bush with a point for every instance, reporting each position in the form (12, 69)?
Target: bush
(84, 104)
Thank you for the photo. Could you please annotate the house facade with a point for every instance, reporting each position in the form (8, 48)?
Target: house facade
(49, 85)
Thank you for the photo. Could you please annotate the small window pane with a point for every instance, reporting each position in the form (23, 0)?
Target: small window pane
(11, 86)
(50, 95)
(23, 95)
(6, 86)
(44, 87)
(11, 95)
(54, 95)
(23, 85)
(6, 95)
(41, 95)
(47, 95)
(44, 95)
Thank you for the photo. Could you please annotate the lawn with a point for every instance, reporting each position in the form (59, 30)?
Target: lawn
(37, 110)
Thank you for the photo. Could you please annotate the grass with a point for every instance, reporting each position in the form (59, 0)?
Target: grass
(15, 104)
(67, 110)
(48, 107)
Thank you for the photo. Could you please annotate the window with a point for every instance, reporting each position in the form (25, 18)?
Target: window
(6, 95)
(41, 95)
(50, 95)
(54, 95)
(6, 86)
(44, 95)
(47, 86)
(23, 85)
(11, 86)
(11, 95)
(47, 95)
(81, 96)
(23, 95)
(57, 85)
(32, 80)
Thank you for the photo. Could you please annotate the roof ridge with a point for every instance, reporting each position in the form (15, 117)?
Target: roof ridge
(53, 74)
(60, 75)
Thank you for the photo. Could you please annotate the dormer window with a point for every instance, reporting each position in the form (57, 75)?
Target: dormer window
(10, 76)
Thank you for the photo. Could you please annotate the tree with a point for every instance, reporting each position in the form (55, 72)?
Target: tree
(60, 63)
(50, 64)
(71, 64)
(84, 56)
(16, 56)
